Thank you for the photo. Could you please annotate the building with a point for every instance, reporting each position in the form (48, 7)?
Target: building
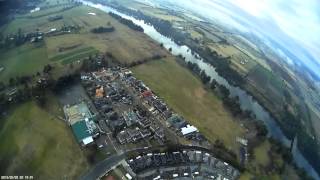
(99, 92)
(77, 113)
(82, 123)
(130, 118)
(103, 75)
(176, 121)
(188, 130)
(122, 137)
(146, 94)
(82, 133)
(144, 122)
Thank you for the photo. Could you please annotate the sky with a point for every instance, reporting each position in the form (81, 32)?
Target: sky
(294, 24)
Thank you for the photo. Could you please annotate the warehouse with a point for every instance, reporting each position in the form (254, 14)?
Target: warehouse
(82, 123)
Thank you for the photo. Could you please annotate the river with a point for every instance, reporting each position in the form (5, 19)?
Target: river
(247, 102)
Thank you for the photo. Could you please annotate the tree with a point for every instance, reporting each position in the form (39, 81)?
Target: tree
(47, 69)
(204, 77)
(12, 82)
(2, 86)
(224, 91)
(213, 84)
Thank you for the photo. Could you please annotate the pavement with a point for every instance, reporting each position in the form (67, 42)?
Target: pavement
(103, 167)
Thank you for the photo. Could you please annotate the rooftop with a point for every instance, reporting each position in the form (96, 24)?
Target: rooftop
(188, 130)
(77, 113)
(81, 131)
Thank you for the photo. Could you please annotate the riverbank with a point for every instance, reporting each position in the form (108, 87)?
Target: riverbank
(272, 127)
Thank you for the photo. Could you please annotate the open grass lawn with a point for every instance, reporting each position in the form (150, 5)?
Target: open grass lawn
(23, 60)
(33, 142)
(261, 153)
(186, 95)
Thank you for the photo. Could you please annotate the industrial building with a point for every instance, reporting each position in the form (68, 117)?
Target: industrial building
(82, 123)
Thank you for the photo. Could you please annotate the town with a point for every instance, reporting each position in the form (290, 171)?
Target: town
(126, 115)
(157, 89)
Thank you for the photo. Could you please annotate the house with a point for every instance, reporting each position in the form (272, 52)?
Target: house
(144, 123)
(160, 133)
(134, 134)
(160, 106)
(102, 75)
(176, 121)
(242, 141)
(145, 133)
(122, 137)
(154, 127)
(117, 124)
(130, 118)
(146, 94)
(99, 92)
(128, 176)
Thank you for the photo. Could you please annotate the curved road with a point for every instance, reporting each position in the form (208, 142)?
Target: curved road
(104, 166)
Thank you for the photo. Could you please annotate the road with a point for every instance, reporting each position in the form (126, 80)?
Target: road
(104, 166)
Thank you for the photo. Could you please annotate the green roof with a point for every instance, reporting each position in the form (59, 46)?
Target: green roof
(80, 130)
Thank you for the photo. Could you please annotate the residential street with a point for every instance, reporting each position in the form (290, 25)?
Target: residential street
(103, 167)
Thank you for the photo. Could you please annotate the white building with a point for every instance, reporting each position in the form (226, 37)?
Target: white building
(188, 130)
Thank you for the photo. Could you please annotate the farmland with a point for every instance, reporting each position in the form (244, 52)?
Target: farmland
(188, 97)
(34, 142)
(23, 60)
(149, 10)
(125, 44)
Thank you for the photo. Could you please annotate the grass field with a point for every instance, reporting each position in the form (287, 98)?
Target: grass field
(261, 153)
(125, 44)
(33, 142)
(237, 57)
(23, 60)
(74, 55)
(268, 85)
(149, 10)
(186, 95)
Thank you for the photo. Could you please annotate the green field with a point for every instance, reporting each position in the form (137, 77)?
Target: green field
(267, 87)
(186, 95)
(33, 142)
(125, 44)
(261, 153)
(23, 60)
(71, 53)
(75, 55)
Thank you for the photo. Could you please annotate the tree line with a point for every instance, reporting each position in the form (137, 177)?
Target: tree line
(102, 29)
(127, 22)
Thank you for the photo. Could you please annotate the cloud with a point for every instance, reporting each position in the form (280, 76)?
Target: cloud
(295, 24)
